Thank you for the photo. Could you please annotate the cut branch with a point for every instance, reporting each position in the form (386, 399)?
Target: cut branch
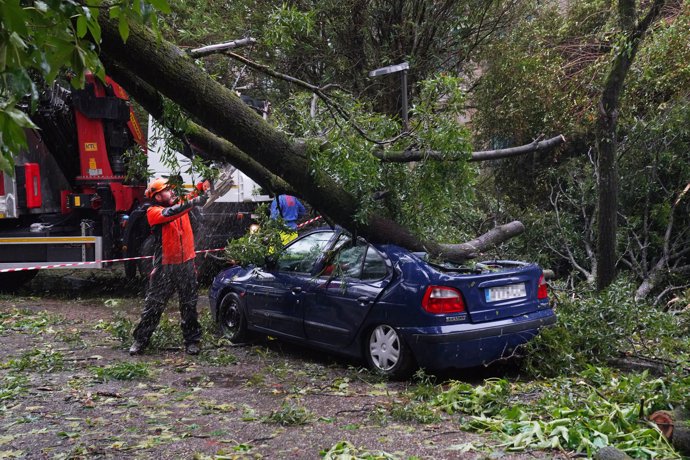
(407, 156)
(220, 47)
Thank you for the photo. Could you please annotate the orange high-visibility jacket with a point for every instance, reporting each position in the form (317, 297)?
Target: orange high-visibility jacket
(174, 233)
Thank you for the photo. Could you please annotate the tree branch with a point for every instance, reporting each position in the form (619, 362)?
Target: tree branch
(475, 247)
(407, 156)
(220, 47)
(332, 106)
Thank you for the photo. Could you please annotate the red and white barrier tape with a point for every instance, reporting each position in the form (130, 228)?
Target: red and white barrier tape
(307, 222)
(92, 262)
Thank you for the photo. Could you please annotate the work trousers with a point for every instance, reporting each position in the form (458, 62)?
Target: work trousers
(163, 282)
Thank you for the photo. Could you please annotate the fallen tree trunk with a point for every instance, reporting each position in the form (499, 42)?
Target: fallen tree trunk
(213, 148)
(675, 426)
(170, 71)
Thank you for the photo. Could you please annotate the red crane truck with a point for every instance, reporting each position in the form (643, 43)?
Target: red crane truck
(68, 201)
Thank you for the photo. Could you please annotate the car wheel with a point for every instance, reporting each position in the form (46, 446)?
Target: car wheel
(386, 352)
(232, 321)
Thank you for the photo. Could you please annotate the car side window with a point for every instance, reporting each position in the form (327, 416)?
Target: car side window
(301, 255)
(349, 261)
(359, 262)
(374, 265)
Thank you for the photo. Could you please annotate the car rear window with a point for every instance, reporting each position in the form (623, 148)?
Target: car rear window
(374, 265)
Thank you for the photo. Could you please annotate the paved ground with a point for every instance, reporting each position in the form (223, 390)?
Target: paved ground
(70, 390)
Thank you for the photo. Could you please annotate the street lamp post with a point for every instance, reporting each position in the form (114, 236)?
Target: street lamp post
(402, 67)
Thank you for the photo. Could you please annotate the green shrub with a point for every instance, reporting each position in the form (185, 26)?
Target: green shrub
(27, 321)
(13, 385)
(595, 327)
(414, 411)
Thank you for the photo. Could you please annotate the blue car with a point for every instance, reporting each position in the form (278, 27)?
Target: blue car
(383, 304)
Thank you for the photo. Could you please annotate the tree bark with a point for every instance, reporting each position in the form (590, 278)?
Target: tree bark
(166, 68)
(491, 238)
(213, 148)
(607, 183)
(418, 155)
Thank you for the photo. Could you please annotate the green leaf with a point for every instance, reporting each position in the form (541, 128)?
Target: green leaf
(61, 53)
(123, 27)
(6, 163)
(161, 5)
(20, 118)
(3, 57)
(94, 26)
(41, 6)
(114, 12)
(13, 17)
(17, 41)
(95, 29)
(81, 26)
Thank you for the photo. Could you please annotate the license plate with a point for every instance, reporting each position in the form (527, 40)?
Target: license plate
(511, 291)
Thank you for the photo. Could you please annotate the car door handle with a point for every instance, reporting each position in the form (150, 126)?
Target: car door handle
(296, 290)
(364, 300)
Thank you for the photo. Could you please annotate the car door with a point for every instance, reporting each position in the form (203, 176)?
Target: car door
(341, 297)
(274, 295)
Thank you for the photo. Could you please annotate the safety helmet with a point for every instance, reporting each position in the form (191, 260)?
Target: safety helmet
(156, 185)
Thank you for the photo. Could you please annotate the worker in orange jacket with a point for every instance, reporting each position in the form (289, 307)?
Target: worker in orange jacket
(173, 264)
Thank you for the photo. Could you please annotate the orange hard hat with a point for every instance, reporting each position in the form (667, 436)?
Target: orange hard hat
(156, 185)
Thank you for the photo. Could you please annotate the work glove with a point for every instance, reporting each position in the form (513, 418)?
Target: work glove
(200, 200)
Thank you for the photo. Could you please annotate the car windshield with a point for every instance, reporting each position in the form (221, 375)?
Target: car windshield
(301, 255)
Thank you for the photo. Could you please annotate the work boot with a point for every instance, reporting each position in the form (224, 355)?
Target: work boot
(137, 348)
(193, 348)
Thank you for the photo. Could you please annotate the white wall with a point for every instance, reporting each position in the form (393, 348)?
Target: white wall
(243, 189)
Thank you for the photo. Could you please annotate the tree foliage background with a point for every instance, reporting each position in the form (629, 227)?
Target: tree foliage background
(546, 75)
(516, 68)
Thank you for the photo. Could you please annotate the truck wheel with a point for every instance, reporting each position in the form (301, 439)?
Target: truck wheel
(386, 353)
(10, 282)
(147, 248)
(232, 321)
(130, 269)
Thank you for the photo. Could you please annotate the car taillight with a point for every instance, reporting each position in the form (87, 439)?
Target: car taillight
(441, 299)
(542, 293)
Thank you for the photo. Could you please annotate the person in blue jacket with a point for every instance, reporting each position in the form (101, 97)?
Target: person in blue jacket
(289, 208)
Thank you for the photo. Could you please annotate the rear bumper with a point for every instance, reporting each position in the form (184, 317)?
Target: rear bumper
(469, 345)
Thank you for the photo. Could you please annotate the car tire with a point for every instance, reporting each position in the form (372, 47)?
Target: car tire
(232, 322)
(387, 354)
